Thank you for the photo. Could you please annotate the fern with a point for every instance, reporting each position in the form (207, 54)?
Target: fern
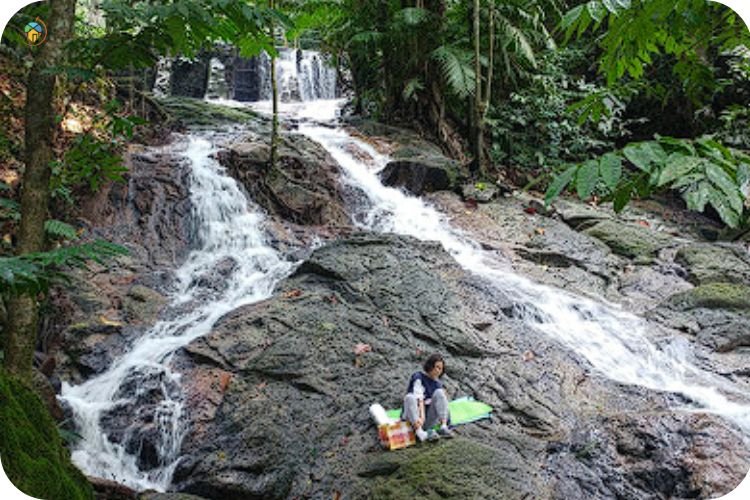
(9, 209)
(456, 69)
(411, 89)
(411, 17)
(35, 272)
(60, 229)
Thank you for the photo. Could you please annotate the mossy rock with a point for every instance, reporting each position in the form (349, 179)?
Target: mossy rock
(142, 304)
(198, 113)
(706, 263)
(713, 296)
(629, 241)
(32, 451)
(457, 468)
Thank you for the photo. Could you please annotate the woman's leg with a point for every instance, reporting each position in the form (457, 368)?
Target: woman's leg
(410, 412)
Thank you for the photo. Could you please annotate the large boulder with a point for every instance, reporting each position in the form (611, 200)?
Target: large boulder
(302, 188)
(718, 314)
(628, 240)
(278, 392)
(421, 173)
(705, 263)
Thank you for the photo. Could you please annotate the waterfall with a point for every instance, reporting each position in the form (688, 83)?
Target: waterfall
(615, 343)
(163, 73)
(217, 80)
(301, 75)
(229, 230)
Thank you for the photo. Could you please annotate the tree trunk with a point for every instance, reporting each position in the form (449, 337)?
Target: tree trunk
(40, 130)
(477, 141)
(275, 97)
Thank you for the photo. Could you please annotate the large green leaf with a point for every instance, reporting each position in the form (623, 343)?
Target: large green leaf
(596, 10)
(644, 155)
(586, 178)
(622, 196)
(724, 208)
(726, 186)
(610, 169)
(559, 183)
(677, 166)
(696, 196)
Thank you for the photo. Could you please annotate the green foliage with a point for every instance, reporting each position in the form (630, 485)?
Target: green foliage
(703, 171)
(9, 209)
(456, 69)
(639, 33)
(89, 162)
(60, 229)
(35, 272)
(33, 454)
(537, 126)
(139, 31)
(95, 156)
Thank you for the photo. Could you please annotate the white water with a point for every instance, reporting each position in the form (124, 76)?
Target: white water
(228, 228)
(163, 73)
(217, 83)
(301, 75)
(614, 342)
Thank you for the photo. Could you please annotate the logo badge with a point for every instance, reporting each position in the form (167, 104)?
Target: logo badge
(36, 32)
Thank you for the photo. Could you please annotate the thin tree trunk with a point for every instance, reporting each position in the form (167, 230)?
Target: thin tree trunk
(477, 119)
(275, 97)
(40, 129)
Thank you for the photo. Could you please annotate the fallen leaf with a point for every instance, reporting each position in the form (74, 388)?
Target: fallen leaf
(539, 230)
(530, 210)
(332, 299)
(109, 322)
(362, 348)
(644, 223)
(471, 203)
(224, 380)
(293, 293)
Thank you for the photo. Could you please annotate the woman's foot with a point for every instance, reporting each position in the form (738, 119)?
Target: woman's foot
(445, 432)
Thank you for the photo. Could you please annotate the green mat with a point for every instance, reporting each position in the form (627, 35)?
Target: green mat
(463, 411)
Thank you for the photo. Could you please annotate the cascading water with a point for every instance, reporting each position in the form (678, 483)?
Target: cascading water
(301, 75)
(161, 82)
(228, 230)
(614, 342)
(217, 80)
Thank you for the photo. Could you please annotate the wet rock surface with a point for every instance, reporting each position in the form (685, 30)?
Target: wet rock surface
(277, 398)
(302, 189)
(105, 308)
(281, 411)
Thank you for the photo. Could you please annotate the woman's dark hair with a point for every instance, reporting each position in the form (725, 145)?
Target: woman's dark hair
(431, 361)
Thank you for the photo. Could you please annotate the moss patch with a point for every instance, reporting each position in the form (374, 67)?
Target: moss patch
(708, 263)
(33, 455)
(626, 240)
(713, 296)
(191, 112)
(458, 468)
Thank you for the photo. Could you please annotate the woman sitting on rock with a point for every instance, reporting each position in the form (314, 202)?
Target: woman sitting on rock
(425, 403)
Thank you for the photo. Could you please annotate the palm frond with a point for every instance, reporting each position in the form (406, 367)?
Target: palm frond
(412, 88)
(456, 69)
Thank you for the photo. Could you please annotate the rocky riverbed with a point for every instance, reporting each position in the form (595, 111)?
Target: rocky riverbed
(277, 395)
